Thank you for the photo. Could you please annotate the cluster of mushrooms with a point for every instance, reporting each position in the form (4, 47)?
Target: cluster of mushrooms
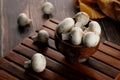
(77, 33)
(70, 29)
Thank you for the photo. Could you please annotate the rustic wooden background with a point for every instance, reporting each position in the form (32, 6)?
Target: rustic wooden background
(11, 35)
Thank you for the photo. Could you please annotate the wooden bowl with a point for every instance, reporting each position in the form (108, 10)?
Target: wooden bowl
(73, 53)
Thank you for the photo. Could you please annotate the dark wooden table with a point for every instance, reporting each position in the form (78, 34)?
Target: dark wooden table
(103, 65)
(11, 35)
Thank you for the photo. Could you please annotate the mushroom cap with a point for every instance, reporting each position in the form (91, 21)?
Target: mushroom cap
(47, 8)
(65, 26)
(90, 39)
(94, 27)
(76, 35)
(80, 25)
(82, 17)
(38, 62)
(43, 36)
(23, 19)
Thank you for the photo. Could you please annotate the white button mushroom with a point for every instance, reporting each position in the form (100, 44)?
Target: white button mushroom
(23, 19)
(82, 19)
(90, 39)
(65, 25)
(38, 62)
(94, 27)
(42, 36)
(76, 35)
(47, 8)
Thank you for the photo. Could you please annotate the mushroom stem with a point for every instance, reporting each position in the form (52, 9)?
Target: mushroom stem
(27, 64)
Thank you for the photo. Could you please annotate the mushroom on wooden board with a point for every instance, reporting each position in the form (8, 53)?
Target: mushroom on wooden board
(37, 63)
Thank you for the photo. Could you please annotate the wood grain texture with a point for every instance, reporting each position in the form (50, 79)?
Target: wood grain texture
(4, 76)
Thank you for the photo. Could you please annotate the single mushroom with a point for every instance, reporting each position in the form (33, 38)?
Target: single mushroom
(23, 19)
(47, 8)
(94, 27)
(41, 37)
(82, 19)
(65, 26)
(90, 39)
(37, 63)
(76, 35)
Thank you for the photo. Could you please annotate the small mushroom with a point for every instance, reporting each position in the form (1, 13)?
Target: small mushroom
(23, 19)
(37, 63)
(76, 35)
(65, 26)
(47, 8)
(82, 19)
(42, 36)
(90, 39)
(94, 27)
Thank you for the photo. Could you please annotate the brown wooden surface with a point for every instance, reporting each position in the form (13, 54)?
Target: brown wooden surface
(10, 9)
(103, 65)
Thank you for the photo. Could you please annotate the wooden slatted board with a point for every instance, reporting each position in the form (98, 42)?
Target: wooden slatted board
(103, 65)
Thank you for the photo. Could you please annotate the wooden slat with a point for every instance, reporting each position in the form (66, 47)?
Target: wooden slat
(13, 70)
(52, 44)
(60, 58)
(102, 67)
(112, 45)
(16, 58)
(54, 20)
(5, 76)
(50, 24)
(110, 51)
(107, 59)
